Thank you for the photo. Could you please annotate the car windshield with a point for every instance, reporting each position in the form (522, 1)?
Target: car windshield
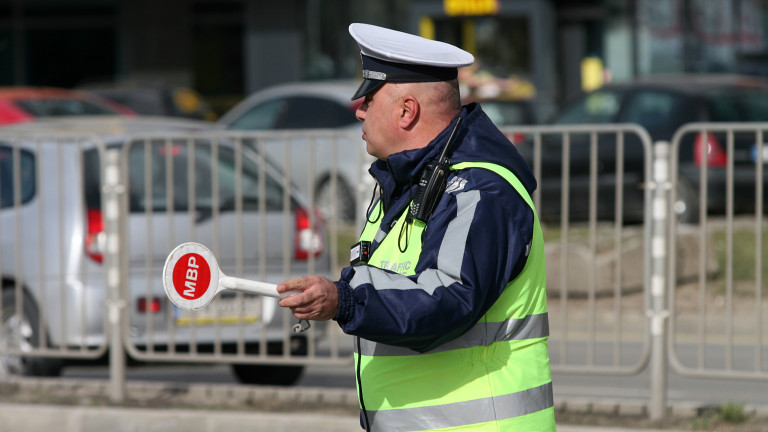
(658, 111)
(296, 112)
(62, 107)
(504, 113)
(600, 106)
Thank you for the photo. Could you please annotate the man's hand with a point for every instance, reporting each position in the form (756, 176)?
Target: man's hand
(319, 300)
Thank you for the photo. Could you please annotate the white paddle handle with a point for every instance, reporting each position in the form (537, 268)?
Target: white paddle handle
(254, 287)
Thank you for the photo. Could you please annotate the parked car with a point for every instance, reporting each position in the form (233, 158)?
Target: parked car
(661, 105)
(505, 112)
(22, 104)
(312, 105)
(52, 239)
(153, 98)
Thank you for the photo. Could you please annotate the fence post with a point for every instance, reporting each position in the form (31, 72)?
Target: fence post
(658, 313)
(112, 192)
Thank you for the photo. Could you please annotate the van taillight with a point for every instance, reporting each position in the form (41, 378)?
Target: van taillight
(149, 305)
(95, 237)
(706, 147)
(308, 239)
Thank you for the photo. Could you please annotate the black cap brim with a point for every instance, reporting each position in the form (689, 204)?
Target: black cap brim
(367, 86)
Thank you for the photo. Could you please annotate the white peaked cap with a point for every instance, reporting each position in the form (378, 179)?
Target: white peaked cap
(393, 56)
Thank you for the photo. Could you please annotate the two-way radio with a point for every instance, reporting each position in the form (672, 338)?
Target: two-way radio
(432, 182)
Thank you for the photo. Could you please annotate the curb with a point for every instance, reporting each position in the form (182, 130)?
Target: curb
(78, 405)
(34, 418)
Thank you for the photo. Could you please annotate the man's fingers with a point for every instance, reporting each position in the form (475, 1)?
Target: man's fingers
(293, 301)
(293, 284)
(317, 300)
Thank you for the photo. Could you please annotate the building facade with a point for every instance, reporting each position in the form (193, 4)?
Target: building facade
(545, 50)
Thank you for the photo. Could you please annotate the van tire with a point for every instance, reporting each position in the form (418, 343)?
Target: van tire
(23, 332)
(267, 374)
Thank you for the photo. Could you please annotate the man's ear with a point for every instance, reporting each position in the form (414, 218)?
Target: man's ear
(409, 112)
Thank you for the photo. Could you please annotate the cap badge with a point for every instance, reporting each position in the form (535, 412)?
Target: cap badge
(369, 74)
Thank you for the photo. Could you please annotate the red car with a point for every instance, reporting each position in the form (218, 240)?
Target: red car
(21, 104)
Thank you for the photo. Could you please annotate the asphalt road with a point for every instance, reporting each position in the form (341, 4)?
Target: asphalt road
(681, 389)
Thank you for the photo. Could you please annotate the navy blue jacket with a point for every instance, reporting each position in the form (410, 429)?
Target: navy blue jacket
(410, 312)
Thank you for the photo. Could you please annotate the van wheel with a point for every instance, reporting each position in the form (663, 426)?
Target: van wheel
(21, 332)
(267, 374)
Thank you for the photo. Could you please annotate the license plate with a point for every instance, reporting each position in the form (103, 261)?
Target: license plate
(222, 311)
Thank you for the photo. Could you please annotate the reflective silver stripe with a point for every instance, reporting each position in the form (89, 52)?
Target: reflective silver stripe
(369, 74)
(428, 280)
(464, 413)
(451, 254)
(380, 236)
(481, 334)
(449, 258)
(380, 279)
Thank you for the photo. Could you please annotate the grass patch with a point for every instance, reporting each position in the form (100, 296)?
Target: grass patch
(743, 252)
(732, 412)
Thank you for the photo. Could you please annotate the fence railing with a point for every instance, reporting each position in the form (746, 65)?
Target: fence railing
(718, 326)
(637, 232)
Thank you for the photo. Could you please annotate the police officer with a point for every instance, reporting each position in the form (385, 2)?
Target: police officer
(446, 290)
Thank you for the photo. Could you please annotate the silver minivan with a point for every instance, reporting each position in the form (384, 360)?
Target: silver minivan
(181, 183)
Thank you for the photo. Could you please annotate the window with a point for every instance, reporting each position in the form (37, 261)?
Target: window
(304, 112)
(201, 172)
(739, 106)
(601, 106)
(9, 160)
(657, 111)
(262, 116)
(61, 107)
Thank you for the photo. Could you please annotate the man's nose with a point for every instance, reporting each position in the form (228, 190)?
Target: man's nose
(360, 112)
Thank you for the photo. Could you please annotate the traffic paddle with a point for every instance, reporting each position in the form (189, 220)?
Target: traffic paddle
(192, 278)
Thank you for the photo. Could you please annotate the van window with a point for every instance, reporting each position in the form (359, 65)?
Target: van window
(197, 167)
(25, 161)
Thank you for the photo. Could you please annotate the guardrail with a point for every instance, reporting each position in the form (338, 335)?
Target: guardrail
(596, 261)
(246, 196)
(718, 327)
(48, 308)
(617, 211)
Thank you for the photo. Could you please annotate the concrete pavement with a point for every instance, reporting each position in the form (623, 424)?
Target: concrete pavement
(83, 405)
(39, 418)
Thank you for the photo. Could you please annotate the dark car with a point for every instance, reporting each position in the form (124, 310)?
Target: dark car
(150, 98)
(661, 105)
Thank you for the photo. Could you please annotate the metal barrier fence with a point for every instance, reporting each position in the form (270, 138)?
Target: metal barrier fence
(95, 217)
(229, 192)
(52, 295)
(718, 325)
(616, 210)
(597, 262)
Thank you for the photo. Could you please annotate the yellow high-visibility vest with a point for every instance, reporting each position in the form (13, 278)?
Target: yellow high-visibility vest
(495, 377)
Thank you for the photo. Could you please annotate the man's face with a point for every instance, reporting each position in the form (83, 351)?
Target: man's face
(379, 116)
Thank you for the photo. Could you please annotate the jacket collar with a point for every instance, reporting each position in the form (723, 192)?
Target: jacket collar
(402, 169)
